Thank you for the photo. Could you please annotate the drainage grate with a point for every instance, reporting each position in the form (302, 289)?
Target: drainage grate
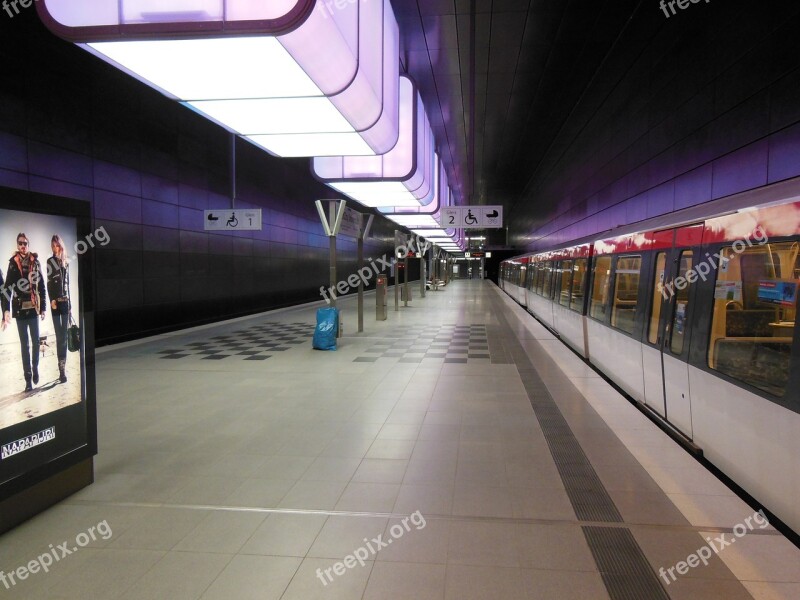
(626, 573)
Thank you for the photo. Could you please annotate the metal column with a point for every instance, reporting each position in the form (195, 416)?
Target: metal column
(396, 272)
(362, 235)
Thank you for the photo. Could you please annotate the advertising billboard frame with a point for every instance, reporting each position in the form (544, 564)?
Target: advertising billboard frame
(66, 449)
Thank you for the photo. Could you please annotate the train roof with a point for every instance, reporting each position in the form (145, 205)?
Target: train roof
(773, 211)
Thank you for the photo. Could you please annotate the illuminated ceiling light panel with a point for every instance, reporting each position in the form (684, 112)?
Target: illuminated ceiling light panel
(295, 77)
(423, 216)
(403, 177)
(414, 221)
(432, 234)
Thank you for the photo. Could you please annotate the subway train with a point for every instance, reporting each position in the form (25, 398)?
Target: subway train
(692, 315)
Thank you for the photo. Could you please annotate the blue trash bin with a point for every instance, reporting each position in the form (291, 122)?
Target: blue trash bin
(327, 329)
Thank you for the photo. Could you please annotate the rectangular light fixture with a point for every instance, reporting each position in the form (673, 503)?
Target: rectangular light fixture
(424, 221)
(432, 234)
(295, 77)
(403, 177)
(413, 221)
(442, 199)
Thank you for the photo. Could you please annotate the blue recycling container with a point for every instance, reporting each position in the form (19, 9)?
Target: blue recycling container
(327, 329)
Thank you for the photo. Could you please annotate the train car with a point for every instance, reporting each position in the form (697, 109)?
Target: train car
(513, 274)
(555, 292)
(694, 318)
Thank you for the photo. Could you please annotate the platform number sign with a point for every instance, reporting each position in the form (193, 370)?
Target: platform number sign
(472, 217)
(451, 218)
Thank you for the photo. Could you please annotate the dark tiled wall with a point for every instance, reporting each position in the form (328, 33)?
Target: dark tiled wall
(73, 127)
(684, 110)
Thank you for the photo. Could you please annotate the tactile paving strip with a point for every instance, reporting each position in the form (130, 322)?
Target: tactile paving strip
(259, 342)
(626, 572)
(432, 343)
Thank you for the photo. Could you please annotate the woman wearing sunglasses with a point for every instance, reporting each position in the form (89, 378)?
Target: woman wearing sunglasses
(26, 293)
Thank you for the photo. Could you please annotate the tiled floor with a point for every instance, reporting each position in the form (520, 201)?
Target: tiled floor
(236, 478)
(432, 344)
(256, 342)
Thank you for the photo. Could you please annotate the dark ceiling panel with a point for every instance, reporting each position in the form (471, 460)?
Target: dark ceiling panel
(534, 60)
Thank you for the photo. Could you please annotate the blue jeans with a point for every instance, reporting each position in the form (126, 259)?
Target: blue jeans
(60, 324)
(29, 347)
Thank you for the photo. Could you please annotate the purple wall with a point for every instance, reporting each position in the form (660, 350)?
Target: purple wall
(73, 127)
(707, 106)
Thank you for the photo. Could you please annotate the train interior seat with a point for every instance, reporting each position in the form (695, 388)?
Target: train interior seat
(750, 323)
(762, 362)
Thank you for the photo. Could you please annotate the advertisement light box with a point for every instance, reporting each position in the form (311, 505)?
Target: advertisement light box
(52, 425)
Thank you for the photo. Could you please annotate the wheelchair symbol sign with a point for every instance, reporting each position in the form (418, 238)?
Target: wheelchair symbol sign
(233, 220)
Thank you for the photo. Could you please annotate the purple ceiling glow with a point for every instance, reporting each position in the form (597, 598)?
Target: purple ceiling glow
(404, 176)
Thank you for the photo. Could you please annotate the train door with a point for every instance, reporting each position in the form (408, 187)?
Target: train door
(675, 347)
(666, 348)
(652, 361)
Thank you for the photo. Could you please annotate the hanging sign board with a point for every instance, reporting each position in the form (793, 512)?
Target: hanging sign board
(352, 223)
(472, 217)
(233, 220)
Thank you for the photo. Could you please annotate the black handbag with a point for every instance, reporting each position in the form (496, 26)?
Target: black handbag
(73, 331)
(73, 336)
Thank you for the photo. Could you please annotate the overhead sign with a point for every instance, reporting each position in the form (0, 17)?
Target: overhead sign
(472, 217)
(233, 220)
(352, 222)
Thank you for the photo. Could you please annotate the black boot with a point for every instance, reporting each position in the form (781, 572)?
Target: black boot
(62, 371)
(28, 386)
(36, 374)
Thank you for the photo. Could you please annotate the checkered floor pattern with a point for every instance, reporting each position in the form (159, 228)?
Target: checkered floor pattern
(254, 343)
(444, 343)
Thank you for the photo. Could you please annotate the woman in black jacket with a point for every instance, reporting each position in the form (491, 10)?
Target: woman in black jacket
(58, 290)
(26, 293)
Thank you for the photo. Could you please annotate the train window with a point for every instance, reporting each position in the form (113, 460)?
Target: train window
(578, 284)
(681, 308)
(626, 292)
(548, 281)
(533, 273)
(540, 280)
(755, 309)
(565, 273)
(601, 279)
(658, 290)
